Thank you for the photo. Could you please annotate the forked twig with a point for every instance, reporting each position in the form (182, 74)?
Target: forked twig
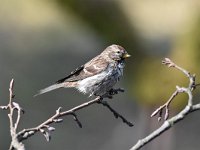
(168, 123)
(57, 118)
(11, 107)
(166, 105)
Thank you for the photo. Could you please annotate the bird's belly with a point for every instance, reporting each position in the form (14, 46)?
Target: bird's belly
(99, 84)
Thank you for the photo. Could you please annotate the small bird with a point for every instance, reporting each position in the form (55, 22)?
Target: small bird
(98, 76)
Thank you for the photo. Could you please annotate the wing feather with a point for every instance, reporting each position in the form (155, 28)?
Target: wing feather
(93, 67)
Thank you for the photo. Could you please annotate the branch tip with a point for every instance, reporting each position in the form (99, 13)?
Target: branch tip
(168, 123)
(58, 110)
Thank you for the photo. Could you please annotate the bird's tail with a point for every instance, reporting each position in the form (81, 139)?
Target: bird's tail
(49, 88)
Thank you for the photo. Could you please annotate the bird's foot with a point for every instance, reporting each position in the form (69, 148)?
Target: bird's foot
(112, 92)
(116, 91)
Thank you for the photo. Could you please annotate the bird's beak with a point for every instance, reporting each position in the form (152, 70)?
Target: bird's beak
(126, 55)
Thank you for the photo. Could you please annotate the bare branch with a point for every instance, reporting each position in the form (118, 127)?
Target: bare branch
(45, 128)
(190, 87)
(15, 144)
(166, 106)
(168, 123)
(56, 118)
(116, 114)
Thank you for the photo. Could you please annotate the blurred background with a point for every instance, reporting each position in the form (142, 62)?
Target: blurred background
(42, 41)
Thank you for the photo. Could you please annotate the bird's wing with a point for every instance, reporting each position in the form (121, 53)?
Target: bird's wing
(93, 67)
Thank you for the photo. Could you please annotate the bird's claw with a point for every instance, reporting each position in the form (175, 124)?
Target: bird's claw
(115, 91)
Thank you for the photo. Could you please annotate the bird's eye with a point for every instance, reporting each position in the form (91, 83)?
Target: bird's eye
(118, 52)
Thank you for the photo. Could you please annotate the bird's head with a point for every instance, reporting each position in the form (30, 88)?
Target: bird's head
(116, 52)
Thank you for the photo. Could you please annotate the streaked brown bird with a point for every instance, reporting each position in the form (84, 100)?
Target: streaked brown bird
(96, 77)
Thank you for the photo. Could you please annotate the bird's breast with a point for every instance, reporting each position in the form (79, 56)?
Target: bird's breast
(101, 82)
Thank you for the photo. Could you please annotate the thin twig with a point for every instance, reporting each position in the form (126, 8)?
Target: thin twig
(57, 118)
(116, 114)
(15, 144)
(166, 106)
(45, 127)
(165, 126)
(168, 123)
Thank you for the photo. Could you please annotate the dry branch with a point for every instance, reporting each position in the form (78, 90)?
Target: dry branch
(12, 106)
(45, 128)
(168, 123)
